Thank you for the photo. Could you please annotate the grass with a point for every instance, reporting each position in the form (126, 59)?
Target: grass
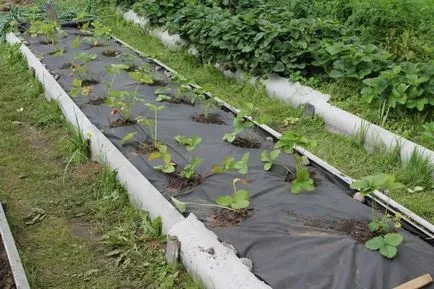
(336, 149)
(87, 235)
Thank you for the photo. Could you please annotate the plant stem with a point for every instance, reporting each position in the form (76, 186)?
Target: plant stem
(155, 127)
(211, 205)
(284, 166)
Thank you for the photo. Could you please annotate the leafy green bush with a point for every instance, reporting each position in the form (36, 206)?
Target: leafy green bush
(407, 84)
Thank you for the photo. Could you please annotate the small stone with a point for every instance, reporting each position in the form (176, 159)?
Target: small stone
(247, 262)
(359, 197)
(229, 245)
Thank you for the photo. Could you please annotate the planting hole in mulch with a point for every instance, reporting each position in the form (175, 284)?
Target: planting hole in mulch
(6, 277)
(178, 101)
(122, 122)
(246, 143)
(356, 229)
(178, 184)
(111, 53)
(88, 82)
(213, 118)
(97, 101)
(144, 149)
(228, 218)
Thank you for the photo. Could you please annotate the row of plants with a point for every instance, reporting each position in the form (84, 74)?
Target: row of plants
(262, 40)
(384, 230)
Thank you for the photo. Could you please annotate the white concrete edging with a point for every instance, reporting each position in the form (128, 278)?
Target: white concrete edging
(12, 253)
(394, 207)
(222, 270)
(296, 94)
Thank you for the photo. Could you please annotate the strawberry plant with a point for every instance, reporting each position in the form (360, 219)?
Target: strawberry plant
(167, 166)
(189, 171)
(407, 84)
(115, 70)
(146, 76)
(380, 227)
(229, 163)
(78, 88)
(49, 30)
(104, 33)
(287, 143)
(387, 244)
(238, 201)
(190, 143)
(242, 125)
(351, 60)
(85, 57)
(122, 103)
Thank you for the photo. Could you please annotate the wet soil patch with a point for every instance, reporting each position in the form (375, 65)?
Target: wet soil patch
(246, 143)
(97, 101)
(178, 184)
(88, 82)
(111, 53)
(179, 101)
(122, 122)
(6, 277)
(228, 218)
(144, 149)
(213, 118)
(356, 229)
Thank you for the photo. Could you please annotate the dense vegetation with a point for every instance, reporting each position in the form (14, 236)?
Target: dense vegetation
(383, 49)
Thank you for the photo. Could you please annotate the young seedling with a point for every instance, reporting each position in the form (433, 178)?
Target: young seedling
(229, 164)
(190, 143)
(241, 125)
(208, 104)
(50, 30)
(238, 201)
(381, 227)
(122, 103)
(77, 88)
(128, 61)
(104, 33)
(190, 170)
(152, 125)
(115, 70)
(84, 57)
(144, 75)
(167, 166)
(287, 143)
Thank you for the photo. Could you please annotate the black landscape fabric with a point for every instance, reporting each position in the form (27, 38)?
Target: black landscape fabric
(294, 241)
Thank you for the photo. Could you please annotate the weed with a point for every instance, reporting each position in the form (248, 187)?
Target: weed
(417, 171)
(359, 138)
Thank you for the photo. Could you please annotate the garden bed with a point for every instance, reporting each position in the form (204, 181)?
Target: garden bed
(293, 240)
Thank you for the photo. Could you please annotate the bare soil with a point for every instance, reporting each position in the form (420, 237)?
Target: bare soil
(111, 53)
(122, 122)
(246, 143)
(213, 118)
(227, 218)
(6, 277)
(178, 184)
(356, 229)
(145, 149)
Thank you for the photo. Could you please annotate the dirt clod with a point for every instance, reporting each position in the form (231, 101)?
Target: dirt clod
(213, 118)
(227, 218)
(246, 143)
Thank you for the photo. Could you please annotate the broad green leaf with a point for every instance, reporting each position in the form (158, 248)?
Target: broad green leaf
(128, 137)
(180, 206)
(230, 137)
(169, 169)
(375, 243)
(243, 165)
(393, 239)
(242, 204)
(373, 226)
(224, 201)
(265, 157)
(240, 195)
(388, 251)
(267, 166)
(76, 42)
(154, 155)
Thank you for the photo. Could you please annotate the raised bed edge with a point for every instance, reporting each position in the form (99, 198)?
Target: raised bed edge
(12, 253)
(221, 270)
(296, 94)
(385, 201)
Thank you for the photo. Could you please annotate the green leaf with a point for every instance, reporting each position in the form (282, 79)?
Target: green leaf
(224, 201)
(180, 206)
(240, 195)
(243, 165)
(128, 137)
(373, 226)
(76, 42)
(388, 251)
(230, 137)
(375, 243)
(242, 204)
(393, 239)
(267, 166)
(169, 169)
